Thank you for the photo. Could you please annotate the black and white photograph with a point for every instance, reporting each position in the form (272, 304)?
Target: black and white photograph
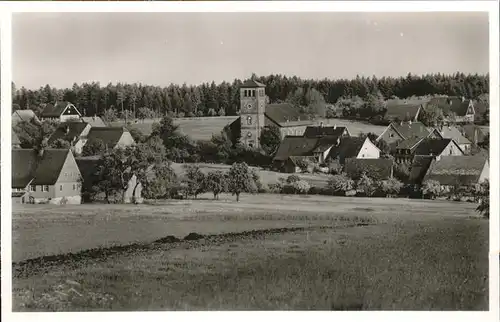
(252, 161)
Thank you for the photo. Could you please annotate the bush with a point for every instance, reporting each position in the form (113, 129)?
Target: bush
(292, 178)
(390, 187)
(402, 172)
(366, 186)
(339, 184)
(431, 188)
(301, 187)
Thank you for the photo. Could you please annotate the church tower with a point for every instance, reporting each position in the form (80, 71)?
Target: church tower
(252, 109)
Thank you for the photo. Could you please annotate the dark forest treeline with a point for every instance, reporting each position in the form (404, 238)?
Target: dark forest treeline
(210, 99)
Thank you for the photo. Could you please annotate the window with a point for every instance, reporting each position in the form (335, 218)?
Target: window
(32, 188)
(45, 188)
(391, 135)
(253, 93)
(60, 187)
(74, 186)
(249, 120)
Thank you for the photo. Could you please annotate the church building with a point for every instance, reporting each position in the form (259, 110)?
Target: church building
(255, 114)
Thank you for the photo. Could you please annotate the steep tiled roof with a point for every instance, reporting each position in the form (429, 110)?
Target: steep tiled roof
(419, 167)
(315, 131)
(108, 135)
(295, 146)
(23, 115)
(349, 147)
(378, 169)
(284, 112)
(409, 143)
(473, 133)
(44, 170)
(451, 132)
(68, 131)
(411, 130)
(297, 159)
(452, 170)
(56, 110)
(402, 112)
(324, 143)
(432, 146)
(451, 104)
(252, 84)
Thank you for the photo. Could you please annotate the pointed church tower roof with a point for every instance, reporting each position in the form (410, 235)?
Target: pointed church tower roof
(252, 84)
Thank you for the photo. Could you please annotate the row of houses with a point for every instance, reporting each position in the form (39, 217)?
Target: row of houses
(429, 153)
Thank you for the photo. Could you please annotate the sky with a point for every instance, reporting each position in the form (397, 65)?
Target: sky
(60, 49)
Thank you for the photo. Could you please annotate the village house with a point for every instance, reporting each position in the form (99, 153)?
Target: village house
(88, 166)
(295, 150)
(60, 111)
(474, 133)
(397, 132)
(331, 131)
(438, 148)
(452, 132)
(398, 111)
(23, 115)
(112, 137)
(46, 176)
(458, 171)
(463, 110)
(73, 132)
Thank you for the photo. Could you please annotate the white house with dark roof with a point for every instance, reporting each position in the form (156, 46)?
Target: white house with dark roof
(46, 176)
(452, 171)
(111, 137)
(60, 111)
(452, 132)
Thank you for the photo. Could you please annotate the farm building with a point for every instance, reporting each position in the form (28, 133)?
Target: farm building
(330, 131)
(60, 111)
(452, 171)
(74, 132)
(88, 166)
(473, 133)
(353, 147)
(46, 176)
(419, 167)
(23, 115)
(112, 137)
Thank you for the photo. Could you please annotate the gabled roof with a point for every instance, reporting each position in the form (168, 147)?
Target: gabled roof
(419, 167)
(295, 146)
(95, 121)
(23, 115)
(473, 133)
(409, 143)
(297, 159)
(430, 146)
(451, 132)
(28, 166)
(285, 113)
(349, 147)
(14, 138)
(378, 169)
(451, 104)
(410, 130)
(315, 131)
(252, 84)
(326, 142)
(452, 170)
(55, 110)
(68, 131)
(108, 135)
(402, 112)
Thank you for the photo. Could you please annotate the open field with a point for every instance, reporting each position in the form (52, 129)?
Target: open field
(202, 128)
(266, 177)
(266, 252)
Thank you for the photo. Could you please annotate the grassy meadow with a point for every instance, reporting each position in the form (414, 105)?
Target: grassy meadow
(202, 128)
(266, 252)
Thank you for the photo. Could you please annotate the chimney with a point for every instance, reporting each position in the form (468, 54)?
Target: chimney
(409, 122)
(438, 157)
(463, 99)
(67, 129)
(401, 123)
(320, 124)
(334, 126)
